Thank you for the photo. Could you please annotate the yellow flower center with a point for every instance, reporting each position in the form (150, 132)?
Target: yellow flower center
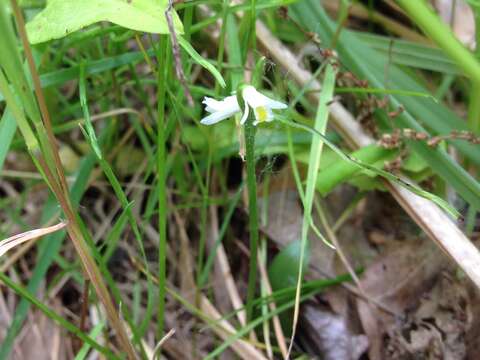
(261, 113)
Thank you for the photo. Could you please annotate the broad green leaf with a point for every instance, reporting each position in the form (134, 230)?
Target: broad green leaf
(62, 17)
(365, 183)
(341, 170)
(283, 272)
(414, 163)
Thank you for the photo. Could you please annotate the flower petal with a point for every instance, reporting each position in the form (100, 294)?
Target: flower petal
(245, 114)
(260, 104)
(216, 117)
(256, 99)
(263, 114)
(273, 104)
(227, 104)
(212, 105)
(270, 103)
(252, 97)
(270, 115)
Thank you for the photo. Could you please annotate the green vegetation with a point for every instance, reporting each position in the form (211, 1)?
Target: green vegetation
(168, 224)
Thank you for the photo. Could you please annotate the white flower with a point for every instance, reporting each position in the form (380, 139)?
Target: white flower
(219, 110)
(260, 104)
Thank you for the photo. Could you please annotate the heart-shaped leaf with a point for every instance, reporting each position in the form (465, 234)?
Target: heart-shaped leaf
(62, 17)
(283, 272)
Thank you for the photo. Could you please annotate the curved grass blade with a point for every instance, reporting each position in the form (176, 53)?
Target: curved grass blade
(321, 120)
(200, 60)
(385, 174)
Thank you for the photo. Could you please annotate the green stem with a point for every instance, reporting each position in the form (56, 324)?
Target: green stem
(162, 183)
(441, 34)
(203, 220)
(250, 130)
(253, 22)
(474, 103)
(23, 125)
(221, 41)
(474, 108)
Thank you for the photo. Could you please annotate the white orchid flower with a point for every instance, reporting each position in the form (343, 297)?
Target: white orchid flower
(260, 104)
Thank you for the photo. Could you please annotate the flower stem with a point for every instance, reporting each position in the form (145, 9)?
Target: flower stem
(162, 182)
(253, 23)
(250, 130)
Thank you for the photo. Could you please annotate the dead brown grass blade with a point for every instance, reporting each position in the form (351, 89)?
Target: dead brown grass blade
(18, 239)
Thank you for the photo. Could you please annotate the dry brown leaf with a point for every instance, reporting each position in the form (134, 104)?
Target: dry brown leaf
(396, 279)
(438, 327)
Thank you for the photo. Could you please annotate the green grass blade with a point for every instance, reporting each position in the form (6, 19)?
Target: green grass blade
(8, 126)
(389, 176)
(200, 60)
(319, 286)
(340, 171)
(83, 352)
(223, 229)
(25, 294)
(320, 126)
(410, 53)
